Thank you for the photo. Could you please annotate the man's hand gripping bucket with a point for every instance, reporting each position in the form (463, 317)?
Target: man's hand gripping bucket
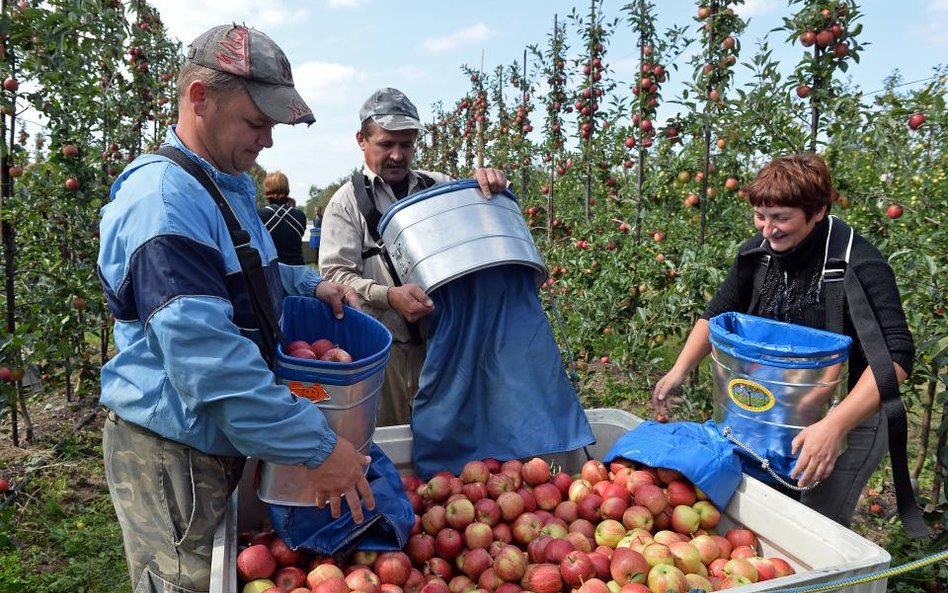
(347, 393)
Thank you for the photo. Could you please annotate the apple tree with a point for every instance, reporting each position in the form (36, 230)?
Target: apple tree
(90, 111)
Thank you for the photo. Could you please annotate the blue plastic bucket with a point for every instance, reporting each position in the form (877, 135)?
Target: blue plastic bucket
(771, 379)
(347, 393)
(314, 235)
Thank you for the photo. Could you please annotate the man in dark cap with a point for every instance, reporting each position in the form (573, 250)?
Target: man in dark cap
(189, 392)
(349, 253)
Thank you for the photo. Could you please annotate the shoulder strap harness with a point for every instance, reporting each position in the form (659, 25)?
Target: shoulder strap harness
(250, 262)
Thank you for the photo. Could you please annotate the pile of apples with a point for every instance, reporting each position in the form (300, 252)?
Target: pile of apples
(519, 526)
(321, 349)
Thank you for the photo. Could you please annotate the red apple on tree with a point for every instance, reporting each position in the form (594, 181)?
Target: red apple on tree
(824, 38)
(916, 120)
(894, 211)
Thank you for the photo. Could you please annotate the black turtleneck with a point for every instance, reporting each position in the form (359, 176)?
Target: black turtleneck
(791, 292)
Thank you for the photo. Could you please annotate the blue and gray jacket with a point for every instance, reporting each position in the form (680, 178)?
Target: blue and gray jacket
(187, 366)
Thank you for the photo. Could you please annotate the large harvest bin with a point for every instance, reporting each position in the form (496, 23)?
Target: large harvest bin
(819, 549)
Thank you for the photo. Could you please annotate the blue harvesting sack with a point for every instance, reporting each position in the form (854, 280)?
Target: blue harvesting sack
(385, 528)
(493, 383)
(777, 343)
(698, 451)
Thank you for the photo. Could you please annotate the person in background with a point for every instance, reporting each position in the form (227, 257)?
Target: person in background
(285, 222)
(349, 254)
(189, 392)
(791, 198)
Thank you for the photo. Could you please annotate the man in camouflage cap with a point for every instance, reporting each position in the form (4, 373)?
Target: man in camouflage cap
(349, 253)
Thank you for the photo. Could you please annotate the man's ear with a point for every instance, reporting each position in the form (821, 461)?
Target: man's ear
(198, 97)
(362, 140)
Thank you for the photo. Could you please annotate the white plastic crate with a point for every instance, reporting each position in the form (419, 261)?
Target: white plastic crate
(819, 549)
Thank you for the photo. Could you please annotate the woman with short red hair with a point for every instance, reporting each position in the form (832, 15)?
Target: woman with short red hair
(791, 198)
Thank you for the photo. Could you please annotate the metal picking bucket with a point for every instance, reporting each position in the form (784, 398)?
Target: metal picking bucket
(450, 230)
(347, 393)
(772, 379)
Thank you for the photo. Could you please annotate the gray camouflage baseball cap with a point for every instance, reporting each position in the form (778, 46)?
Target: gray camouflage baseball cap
(391, 110)
(261, 66)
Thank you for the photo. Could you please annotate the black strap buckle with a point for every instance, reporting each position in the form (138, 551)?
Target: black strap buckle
(834, 272)
(241, 239)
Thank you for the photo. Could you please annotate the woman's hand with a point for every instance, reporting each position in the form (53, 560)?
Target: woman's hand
(662, 398)
(818, 447)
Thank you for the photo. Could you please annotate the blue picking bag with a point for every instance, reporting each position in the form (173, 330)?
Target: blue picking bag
(771, 379)
(698, 451)
(387, 527)
(493, 383)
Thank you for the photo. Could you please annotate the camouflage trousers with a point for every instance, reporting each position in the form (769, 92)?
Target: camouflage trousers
(169, 499)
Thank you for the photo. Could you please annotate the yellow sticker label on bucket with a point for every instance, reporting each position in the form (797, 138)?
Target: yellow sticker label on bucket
(750, 396)
(314, 392)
